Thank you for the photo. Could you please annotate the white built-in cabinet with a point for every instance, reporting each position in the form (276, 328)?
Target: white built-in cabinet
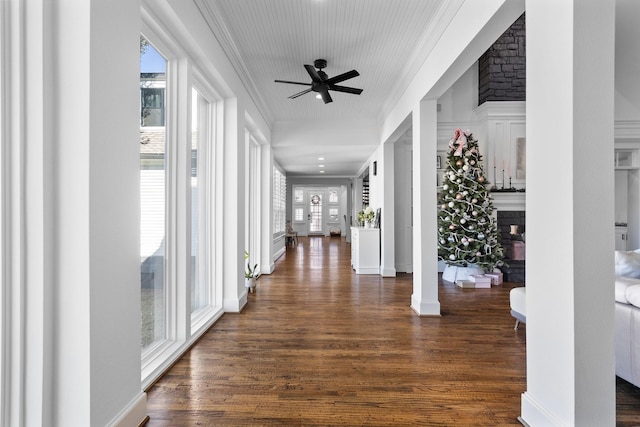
(365, 250)
(621, 238)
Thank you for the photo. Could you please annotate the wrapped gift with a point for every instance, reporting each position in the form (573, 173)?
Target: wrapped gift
(496, 278)
(465, 284)
(481, 280)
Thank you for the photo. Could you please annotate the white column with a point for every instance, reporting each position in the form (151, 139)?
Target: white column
(234, 293)
(570, 293)
(424, 300)
(387, 225)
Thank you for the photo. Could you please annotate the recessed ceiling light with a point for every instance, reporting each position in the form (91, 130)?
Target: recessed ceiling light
(320, 166)
(320, 158)
(318, 96)
(321, 171)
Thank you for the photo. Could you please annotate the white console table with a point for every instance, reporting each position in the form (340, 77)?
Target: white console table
(365, 250)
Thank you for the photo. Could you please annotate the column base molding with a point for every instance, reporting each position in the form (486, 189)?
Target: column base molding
(425, 308)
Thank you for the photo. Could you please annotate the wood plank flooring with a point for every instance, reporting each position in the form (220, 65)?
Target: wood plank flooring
(318, 345)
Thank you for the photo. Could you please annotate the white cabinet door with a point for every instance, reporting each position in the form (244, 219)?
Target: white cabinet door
(365, 250)
(621, 239)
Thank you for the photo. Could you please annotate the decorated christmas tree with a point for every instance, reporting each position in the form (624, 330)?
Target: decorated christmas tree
(467, 233)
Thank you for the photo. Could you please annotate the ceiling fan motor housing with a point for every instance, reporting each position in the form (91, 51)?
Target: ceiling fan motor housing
(320, 63)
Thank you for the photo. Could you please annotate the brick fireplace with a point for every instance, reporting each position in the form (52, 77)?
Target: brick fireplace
(509, 209)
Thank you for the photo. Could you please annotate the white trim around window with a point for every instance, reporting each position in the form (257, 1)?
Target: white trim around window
(184, 327)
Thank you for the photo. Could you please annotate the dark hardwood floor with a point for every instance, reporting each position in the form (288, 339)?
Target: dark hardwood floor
(318, 345)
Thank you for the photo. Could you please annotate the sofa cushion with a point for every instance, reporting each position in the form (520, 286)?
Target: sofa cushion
(622, 283)
(628, 263)
(633, 295)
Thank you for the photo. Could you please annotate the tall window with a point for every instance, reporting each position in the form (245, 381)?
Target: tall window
(253, 200)
(153, 190)
(279, 202)
(180, 290)
(199, 135)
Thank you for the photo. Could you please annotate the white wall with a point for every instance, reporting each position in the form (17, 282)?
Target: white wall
(78, 357)
(457, 103)
(402, 189)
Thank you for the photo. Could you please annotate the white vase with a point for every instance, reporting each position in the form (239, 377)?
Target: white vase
(367, 224)
(250, 283)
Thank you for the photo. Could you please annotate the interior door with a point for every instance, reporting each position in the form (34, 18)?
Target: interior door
(315, 215)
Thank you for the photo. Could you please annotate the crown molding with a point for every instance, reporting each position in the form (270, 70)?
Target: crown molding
(212, 14)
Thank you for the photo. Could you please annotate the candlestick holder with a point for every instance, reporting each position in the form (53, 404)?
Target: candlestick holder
(510, 187)
(503, 179)
(494, 186)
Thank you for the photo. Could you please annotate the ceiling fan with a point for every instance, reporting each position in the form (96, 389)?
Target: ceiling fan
(322, 84)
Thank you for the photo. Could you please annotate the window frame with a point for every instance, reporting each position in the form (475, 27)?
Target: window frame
(279, 207)
(184, 326)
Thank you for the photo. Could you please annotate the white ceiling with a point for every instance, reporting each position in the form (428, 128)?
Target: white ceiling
(384, 40)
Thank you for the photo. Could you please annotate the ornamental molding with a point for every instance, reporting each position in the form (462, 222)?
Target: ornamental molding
(501, 110)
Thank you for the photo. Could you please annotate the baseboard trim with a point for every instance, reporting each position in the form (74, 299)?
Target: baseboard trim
(279, 253)
(534, 414)
(135, 414)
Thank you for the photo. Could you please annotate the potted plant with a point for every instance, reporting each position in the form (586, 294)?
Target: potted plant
(366, 216)
(250, 274)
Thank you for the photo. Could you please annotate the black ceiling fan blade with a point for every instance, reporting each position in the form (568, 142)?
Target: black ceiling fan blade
(325, 96)
(342, 77)
(346, 89)
(300, 93)
(293, 83)
(313, 73)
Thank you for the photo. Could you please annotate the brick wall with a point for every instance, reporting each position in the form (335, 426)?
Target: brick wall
(514, 271)
(505, 220)
(502, 68)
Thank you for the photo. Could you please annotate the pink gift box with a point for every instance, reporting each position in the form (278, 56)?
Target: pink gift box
(481, 280)
(496, 278)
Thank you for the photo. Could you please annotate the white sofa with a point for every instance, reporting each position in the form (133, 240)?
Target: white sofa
(627, 316)
(627, 329)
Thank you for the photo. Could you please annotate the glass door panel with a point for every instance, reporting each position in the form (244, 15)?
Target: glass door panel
(316, 217)
(153, 190)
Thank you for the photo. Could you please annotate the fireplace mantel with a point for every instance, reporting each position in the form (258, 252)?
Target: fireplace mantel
(514, 201)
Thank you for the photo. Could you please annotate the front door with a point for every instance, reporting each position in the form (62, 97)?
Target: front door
(315, 214)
